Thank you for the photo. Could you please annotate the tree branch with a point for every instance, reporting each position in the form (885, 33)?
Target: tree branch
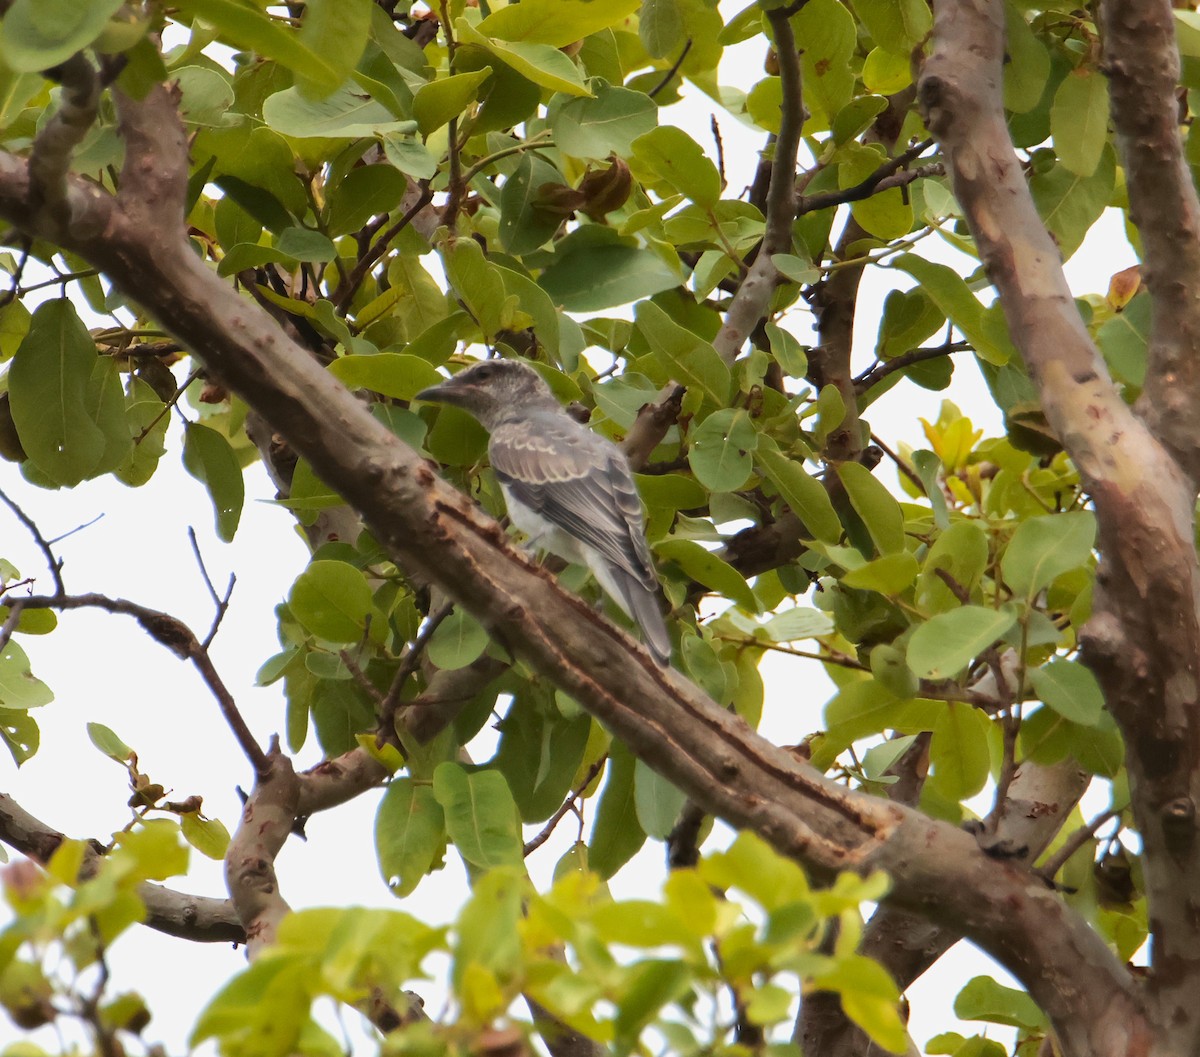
(190, 917)
(53, 562)
(1143, 640)
(752, 302)
(176, 636)
(1142, 63)
(267, 819)
(50, 159)
(882, 179)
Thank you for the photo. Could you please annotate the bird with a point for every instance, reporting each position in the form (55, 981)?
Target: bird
(569, 489)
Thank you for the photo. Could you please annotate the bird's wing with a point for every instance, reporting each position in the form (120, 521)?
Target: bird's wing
(578, 481)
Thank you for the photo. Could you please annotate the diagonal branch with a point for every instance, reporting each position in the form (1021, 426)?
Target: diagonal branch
(1142, 63)
(53, 562)
(176, 636)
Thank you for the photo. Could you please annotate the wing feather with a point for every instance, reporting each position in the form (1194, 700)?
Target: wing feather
(578, 481)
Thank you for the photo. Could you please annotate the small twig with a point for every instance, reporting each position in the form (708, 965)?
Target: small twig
(408, 665)
(872, 184)
(359, 678)
(538, 142)
(11, 294)
(55, 564)
(342, 296)
(176, 636)
(567, 805)
(687, 46)
(901, 465)
(78, 528)
(1049, 869)
(222, 603)
(716, 132)
(882, 369)
(166, 410)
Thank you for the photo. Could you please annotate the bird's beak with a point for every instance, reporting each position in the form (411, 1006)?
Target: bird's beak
(450, 391)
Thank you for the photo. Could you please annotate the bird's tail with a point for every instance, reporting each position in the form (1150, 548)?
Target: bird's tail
(641, 603)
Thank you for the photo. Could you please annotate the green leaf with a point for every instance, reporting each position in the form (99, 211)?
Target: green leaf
(554, 22)
(540, 63)
(1079, 120)
(706, 568)
(1070, 689)
(954, 298)
(458, 641)
(802, 492)
(20, 734)
(481, 818)
(437, 102)
(889, 575)
(674, 158)
(797, 623)
(524, 225)
(660, 26)
(959, 751)
(616, 833)
(896, 24)
(410, 834)
(657, 802)
(19, 687)
(945, 644)
(1043, 548)
(720, 452)
(332, 599)
(38, 34)
(346, 114)
(1028, 68)
(986, 999)
(606, 124)
(962, 553)
(1070, 204)
(688, 357)
(210, 458)
(1124, 340)
(144, 415)
(592, 273)
(108, 743)
(877, 506)
(394, 374)
(540, 753)
(321, 65)
(372, 190)
(830, 37)
(207, 835)
(336, 31)
(53, 396)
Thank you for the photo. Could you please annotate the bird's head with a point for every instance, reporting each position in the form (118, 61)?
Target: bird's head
(492, 391)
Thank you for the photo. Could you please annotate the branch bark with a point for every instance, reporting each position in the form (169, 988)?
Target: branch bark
(1143, 640)
(1142, 63)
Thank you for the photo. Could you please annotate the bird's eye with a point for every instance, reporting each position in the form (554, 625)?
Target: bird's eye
(485, 372)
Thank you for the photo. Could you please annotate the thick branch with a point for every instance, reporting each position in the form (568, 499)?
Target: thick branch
(190, 917)
(728, 769)
(1143, 640)
(1142, 64)
(267, 819)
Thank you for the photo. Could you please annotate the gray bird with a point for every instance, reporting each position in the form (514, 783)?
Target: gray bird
(568, 489)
